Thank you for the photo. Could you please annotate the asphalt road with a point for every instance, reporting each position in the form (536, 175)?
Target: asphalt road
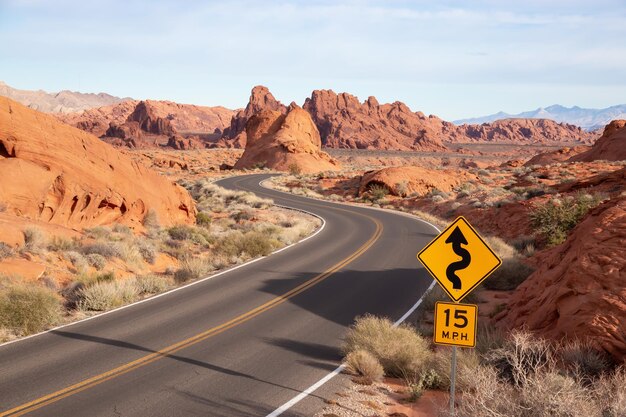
(239, 344)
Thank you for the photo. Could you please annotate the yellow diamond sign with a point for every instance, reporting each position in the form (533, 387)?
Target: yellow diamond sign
(459, 259)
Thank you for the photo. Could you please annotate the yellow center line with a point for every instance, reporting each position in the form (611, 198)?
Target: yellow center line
(167, 351)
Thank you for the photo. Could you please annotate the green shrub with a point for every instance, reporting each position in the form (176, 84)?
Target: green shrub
(555, 218)
(364, 364)
(180, 232)
(378, 191)
(103, 296)
(400, 350)
(29, 309)
(203, 219)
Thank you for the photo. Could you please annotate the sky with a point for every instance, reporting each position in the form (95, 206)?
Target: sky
(454, 59)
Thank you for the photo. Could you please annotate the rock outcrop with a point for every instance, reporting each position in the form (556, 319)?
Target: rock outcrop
(261, 99)
(183, 118)
(403, 181)
(284, 142)
(611, 146)
(552, 157)
(578, 290)
(55, 173)
(344, 122)
(522, 131)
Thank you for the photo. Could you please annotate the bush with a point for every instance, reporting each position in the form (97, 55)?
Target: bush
(77, 259)
(151, 284)
(378, 191)
(467, 362)
(555, 218)
(103, 296)
(253, 244)
(400, 350)
(362, 363)
(26, 310)
(192, 268)
(509, 275)
(294, 169)
(98, 232)
(123, 229)
(181, 232)
(147, 250)
(59, 243)
(6, 251)
(583, 359)
(203, 219)
(151, 220)
(610, 390)
(108, 250)
(96, 260)
(34, 238)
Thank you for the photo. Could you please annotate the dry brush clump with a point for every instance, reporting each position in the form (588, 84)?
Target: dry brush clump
(27, 309)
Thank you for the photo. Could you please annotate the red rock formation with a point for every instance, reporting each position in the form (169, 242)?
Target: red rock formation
(611, 146)
(578, 290)
(184, 118)
(261, 99)
(522, 131)
(344, 122)
(560, 155)
(283, 142)
(55, 173)
(413, 179)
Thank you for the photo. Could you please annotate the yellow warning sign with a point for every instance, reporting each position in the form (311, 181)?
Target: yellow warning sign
(455, 324)
(459, 259)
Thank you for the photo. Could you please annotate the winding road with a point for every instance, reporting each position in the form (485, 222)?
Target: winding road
(241, 343)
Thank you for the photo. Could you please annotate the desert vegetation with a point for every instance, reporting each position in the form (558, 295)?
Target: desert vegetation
(513, 375)
(106, 267)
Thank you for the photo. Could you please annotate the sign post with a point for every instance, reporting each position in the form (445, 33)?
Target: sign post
(459, 260)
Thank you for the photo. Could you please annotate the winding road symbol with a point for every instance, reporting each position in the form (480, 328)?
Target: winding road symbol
(459, 259)
(457, 239)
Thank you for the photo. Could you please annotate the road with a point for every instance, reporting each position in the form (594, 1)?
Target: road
(239, 344)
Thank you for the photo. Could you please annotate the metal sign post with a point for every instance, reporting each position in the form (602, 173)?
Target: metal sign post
(452, 380)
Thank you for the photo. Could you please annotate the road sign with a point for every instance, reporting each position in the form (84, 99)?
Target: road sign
(459, 259)
(455, 324)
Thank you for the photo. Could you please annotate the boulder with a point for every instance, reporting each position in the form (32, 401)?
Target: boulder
(402, 181)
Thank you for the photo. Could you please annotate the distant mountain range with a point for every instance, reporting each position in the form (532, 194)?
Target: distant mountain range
(62, 102)
(588, 119)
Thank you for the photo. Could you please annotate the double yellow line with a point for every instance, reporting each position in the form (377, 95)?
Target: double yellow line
(167, 351)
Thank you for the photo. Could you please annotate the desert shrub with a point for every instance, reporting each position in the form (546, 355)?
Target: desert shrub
(59, 243)
(147, 250)
(77, 259)
(294, 169)
(180, 232)
(400, 350)
(6, 251)
(97, 261)
(151, 284)
(509, 275)
(364, 364)
(108, 250)
(120, 228)
(402, 188)
(522, 356)
(378, 191)
(106, 295)
(489, 338)
(437, 198)
(610, 390)
(555, 218)
(28, 309)
(151, 220)
(34, 238)
(90, 279)
(203, 219)
(253, 244)
(489, 396)
(584, 360)
(98, 232)
(467, 362)
(192, 268)
(242, 215)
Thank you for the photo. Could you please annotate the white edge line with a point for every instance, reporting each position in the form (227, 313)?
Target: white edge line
(295, 400)
(145, 300)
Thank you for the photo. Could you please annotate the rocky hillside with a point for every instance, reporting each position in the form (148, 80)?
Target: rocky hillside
(51, 172)
(611, 146)
(61, 102)
(285, 142)
(184, 118)
(345, 122)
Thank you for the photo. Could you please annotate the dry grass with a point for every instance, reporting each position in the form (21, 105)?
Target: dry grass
(192, 268)
(103, 296)
(364, 364)
(400, 350)
(28, 309)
